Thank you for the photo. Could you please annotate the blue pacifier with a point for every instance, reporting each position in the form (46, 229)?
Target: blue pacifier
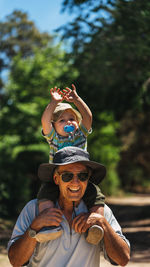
(69, 128)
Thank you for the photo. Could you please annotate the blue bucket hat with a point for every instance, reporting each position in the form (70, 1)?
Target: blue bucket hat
(69, 155)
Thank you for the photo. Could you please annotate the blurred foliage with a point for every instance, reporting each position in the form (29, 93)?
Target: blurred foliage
(134, 167)
(18, 35)
(104, 147)
(24, 98)
(111, 48)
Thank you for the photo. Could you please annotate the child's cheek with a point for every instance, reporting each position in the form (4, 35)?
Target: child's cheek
(75, 125)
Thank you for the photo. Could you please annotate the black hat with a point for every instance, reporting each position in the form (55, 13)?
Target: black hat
(68, 155)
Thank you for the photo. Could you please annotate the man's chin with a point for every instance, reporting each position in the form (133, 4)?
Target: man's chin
(75, 198)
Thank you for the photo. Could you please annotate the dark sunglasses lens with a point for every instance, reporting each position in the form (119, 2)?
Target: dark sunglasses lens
(67, 176)
(83, 176)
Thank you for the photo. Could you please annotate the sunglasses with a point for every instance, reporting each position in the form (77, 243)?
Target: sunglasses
(68, 176)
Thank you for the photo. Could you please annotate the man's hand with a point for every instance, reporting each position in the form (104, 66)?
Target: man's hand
(95, 218)
(48, 217)
(80, 223)
(83, 221)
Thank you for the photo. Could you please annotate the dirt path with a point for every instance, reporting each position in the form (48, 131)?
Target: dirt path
(133, 213)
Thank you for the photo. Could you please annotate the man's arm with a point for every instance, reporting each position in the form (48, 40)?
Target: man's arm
(48, 112)
(72, 96)
(117, 249)
(22, 249)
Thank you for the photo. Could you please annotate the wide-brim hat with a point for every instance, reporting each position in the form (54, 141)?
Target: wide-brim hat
(61, 107)
(69, 155)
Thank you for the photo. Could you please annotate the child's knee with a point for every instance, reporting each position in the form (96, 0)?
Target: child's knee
(45, 204)
(98, 209)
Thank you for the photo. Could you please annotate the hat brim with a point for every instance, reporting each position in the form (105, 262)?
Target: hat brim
(45, 170)
(57, 114)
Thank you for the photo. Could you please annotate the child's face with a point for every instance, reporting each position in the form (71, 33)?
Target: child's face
(67, 118)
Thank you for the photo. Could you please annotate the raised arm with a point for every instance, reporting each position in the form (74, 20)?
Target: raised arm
(48, 112)
(22, 249)
(72, 96)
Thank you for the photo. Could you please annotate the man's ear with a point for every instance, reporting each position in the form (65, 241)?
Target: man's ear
(55, 177)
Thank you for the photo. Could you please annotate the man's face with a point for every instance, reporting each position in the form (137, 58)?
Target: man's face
(74, 189)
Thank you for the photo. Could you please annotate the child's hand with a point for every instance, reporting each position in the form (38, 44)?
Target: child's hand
(70, 95)
(56, 94)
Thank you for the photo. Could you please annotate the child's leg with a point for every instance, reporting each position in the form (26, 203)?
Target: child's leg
(47, 196)
(45, 204)
(48, 190)
(96, 232)
(93, 196)
(94, 200)
(98, 209)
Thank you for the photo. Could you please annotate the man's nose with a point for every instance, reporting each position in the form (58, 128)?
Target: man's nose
(75, 179)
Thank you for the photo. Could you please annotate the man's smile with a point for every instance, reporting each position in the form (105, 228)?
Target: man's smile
(74, 189)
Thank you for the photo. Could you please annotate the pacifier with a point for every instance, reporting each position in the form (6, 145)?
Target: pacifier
(69, 128)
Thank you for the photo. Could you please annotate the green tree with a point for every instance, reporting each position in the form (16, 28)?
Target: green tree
(134, 168)
(22, 148)
(18, 34)
(111, 47)
(104, 147)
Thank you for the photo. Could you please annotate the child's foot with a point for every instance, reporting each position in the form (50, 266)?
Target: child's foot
(95, 234)
(49, 233)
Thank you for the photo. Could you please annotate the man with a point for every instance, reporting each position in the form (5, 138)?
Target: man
(71, 170)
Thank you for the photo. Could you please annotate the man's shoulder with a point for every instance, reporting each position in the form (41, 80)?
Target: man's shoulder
(107, 212)
(32, 202)
(107, 209)
(30, 206)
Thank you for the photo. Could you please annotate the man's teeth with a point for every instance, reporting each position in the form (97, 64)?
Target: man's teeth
(74, 189)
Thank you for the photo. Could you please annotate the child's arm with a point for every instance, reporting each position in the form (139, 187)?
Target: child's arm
(72, 96)
(48, 112)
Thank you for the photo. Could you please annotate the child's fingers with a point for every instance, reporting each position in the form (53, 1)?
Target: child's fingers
(73, 87)
(62, 95)
(55, 88)
(67, 90)
(58, 91)
(65, 97)
(51, 90)
(65, 93)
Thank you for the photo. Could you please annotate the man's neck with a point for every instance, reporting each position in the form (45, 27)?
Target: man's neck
(67, 205)
(67, 208)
